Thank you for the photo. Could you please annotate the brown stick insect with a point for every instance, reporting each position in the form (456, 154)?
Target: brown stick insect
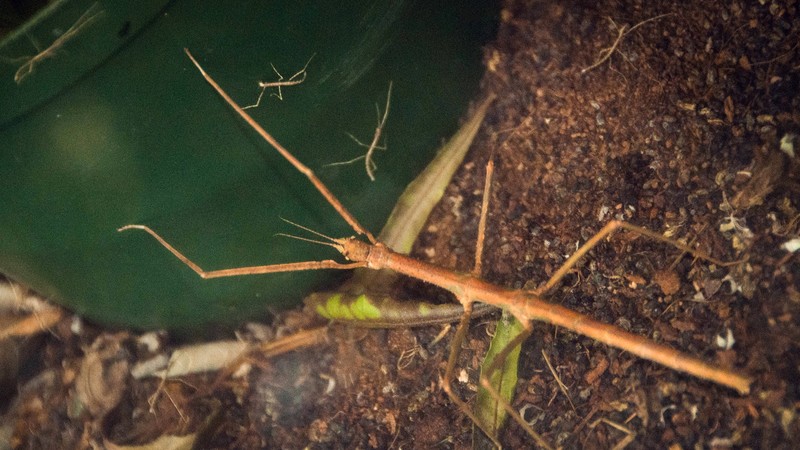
(27, 68)
(525, 305)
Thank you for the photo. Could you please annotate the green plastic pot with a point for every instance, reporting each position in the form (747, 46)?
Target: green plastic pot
(115, 126)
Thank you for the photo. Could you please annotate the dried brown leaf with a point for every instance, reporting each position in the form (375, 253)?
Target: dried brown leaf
(668, 281)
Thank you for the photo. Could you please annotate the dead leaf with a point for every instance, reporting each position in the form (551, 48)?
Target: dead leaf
(207, 357)
(711, 286)
(768, 169)
(103, 375)
(668, 281)
(594, 374)
(729, 109)
(635, 280)
(744, 63)
(166, 442)
(682, 325)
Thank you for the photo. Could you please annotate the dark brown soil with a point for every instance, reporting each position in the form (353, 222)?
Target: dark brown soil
(678, 130)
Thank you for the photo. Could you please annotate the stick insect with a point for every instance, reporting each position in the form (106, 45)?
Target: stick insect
(369, 163)
(292, 81)
(31, 62)
(525, 305)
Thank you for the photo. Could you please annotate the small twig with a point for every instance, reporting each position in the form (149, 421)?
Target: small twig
(487, 185)
(271, 349)
(629, 434)
(83, 21)
(660, 16)
(772, 60)
(608, 51)
(445, 329)
(407, 356)
(561, 385)
(153, 398)
(292, 81)
(162, 388)
(369, 164)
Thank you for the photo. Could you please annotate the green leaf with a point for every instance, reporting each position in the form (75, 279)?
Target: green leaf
(117, 127)
(424, 193)
(488, 409)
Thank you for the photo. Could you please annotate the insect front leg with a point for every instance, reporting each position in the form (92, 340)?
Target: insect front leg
(240, 271)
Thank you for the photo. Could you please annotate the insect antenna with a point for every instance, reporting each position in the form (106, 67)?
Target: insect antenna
(304, 228)
(313, 241)
(329, 241)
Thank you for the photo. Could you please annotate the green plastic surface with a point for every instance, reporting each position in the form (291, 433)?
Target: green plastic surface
(131, 133)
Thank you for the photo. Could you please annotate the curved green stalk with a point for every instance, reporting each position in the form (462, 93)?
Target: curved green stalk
(500, 373)
(376, 311)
